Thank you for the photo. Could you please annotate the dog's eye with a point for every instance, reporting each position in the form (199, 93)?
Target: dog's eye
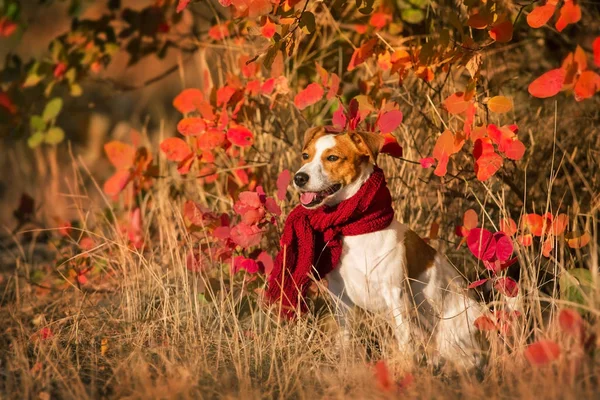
(332, 158)
(305, 156)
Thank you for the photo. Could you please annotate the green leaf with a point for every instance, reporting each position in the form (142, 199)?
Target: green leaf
(52, 109)
(35, 140)
(413, 15)
(576, 285)
(32, 79)
(76, 90)
(37, 123)
(49, 88)
(307, 22)
(55, 135)
(71, 74)
(419, 3)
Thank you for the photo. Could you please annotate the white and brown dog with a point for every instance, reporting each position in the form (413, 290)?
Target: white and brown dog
(392, 270)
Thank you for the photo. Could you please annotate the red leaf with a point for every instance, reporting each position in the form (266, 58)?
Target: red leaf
(272, 207)
(246, 264)
(246, 235)
(587, 85)
(456, 104)
(547, 85)
(224, 95)
(267, 262)
(116, 183)
(541, 15)
(193, 212)
(596, 49)
(484, 323)
(502, 32)
(175, 149)
(514, 149)
(268, 29)
(7, 103)
(571, 322)
(339, 117)
(389, 121)
(186, 101)
(504, 246)
(120, 154)
(380, 19)
(382, 376)
(391, 146)
(427, 162)
(477, 283)
(570, 13)
(334, 87)
(283, 181)
(211, 139)
(240, 136)
(507, 286)
(7, 27)
(309, 96)
(542, 352)
(192, 126)
(487, 161)
(182, 5)
(482, 244)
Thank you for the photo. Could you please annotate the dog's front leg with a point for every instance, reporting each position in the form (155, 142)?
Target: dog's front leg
(397, 306)
(342, 308)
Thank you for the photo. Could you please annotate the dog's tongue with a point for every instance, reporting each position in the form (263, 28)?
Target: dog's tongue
(307, 197)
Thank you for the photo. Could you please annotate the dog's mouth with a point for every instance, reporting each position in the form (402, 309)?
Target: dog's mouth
(313, 199)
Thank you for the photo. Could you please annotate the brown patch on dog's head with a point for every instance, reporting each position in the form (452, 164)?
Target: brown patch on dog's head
(310, 138)
(419, 255)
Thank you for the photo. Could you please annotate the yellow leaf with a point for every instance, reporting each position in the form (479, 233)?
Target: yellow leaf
(103, 346)
(500, 104)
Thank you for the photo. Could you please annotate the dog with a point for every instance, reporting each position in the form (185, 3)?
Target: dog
(391, 270)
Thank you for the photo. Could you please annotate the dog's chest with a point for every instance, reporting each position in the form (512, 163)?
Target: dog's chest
(371, 264)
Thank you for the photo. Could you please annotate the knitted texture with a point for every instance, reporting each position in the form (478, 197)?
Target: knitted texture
(313, 238)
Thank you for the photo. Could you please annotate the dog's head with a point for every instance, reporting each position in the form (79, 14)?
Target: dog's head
(335, 165)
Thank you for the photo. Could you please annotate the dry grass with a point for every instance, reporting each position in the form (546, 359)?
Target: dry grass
(146, 327)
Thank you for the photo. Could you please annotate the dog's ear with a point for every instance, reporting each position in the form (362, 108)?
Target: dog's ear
(368, 142)
(311, 133)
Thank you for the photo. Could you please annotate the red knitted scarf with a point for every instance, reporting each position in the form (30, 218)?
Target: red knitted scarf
(313, 238)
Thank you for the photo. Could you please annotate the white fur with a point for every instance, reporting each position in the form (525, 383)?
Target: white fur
(372, 274)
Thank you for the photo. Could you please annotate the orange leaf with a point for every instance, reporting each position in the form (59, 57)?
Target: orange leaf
(540, 15)
(175, 149)
(502, 32)
(380, 19)
(268, 29)
(576, 241)
(508, 226)
(484, 323)
(534, 223)
(240, 136)
(559, 224)
(488, 162)
(587, 85)
(525, 240)
(456, 104)
(500, 104)
(116, 183)
(443, 149)
(570, 13)
(219, 32)
(211, 139)
(547, 85)
(120, 154)
(470, 219)
(514, 149)
(478, 21)
(309, 96)
(361, 54)
(580, 58)
(542, 352)
(192, 126)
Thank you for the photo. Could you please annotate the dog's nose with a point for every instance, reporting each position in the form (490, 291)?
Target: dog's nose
(300, 179)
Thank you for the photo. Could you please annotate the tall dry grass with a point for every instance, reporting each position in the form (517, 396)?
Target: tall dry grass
(149, 328)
